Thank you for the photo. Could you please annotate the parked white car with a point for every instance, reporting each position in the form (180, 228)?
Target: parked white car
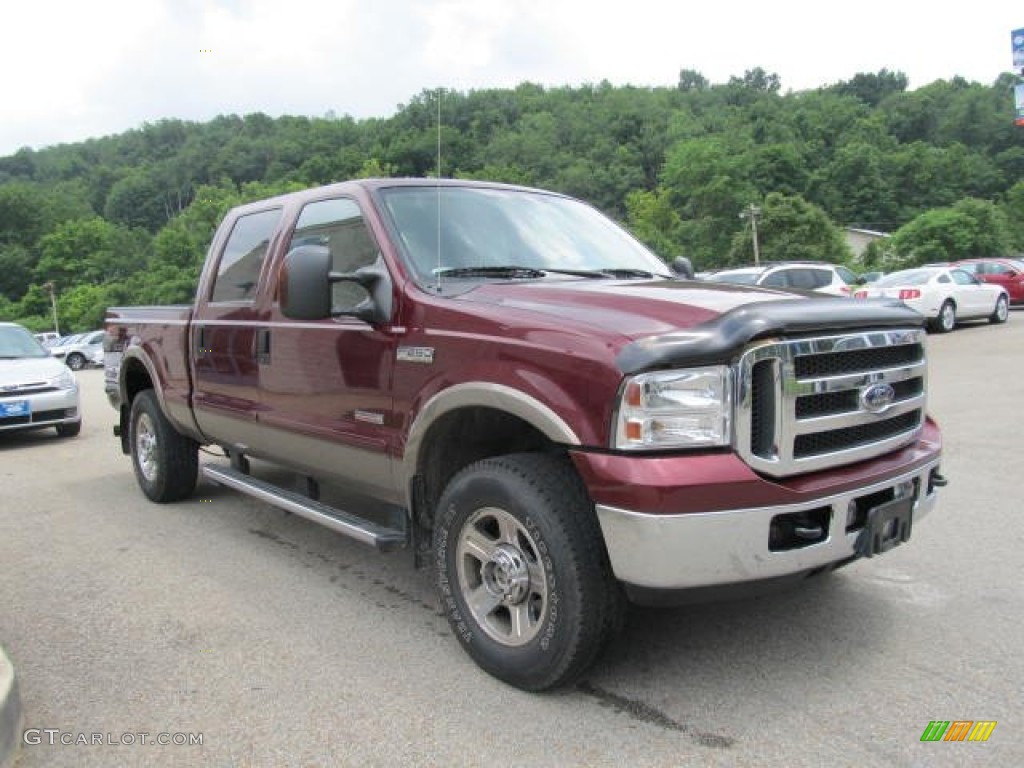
(36, 390)
(944, 295)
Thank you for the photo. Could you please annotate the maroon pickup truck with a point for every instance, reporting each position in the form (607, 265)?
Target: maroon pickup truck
(506, 383)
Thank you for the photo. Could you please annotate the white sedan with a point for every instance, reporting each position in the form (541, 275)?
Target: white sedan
(944, 295)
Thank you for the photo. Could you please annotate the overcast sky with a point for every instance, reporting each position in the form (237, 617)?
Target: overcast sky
(76, 69)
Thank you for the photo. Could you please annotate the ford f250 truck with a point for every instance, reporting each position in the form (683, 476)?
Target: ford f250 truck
(514, 389)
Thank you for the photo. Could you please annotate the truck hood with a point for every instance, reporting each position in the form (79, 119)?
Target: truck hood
(668, 322)
(630, 309)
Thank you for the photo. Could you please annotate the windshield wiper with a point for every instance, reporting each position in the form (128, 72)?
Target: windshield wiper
(514, 271)
(629, 272)
(611, 272)
(502, 271)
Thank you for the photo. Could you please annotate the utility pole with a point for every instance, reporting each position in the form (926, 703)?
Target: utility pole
(53, 304)
(752, 212)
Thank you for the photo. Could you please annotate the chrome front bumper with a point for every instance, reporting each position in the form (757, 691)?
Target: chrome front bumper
(731, 547)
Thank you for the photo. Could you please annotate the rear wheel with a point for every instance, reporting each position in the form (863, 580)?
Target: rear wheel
(166, 462)
(75, 361)
(522, 571)
(1001, 312)
(946, 320)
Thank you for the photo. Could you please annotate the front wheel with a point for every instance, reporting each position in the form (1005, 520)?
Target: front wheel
(1001, 312)
(75, 361)
(166, 462)
(522, 571)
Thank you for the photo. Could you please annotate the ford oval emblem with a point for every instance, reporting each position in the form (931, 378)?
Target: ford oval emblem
(877, 397)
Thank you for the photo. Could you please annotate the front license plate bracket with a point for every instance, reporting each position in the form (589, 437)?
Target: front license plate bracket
(888, 525)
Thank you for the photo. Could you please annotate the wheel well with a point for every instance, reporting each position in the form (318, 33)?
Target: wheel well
(465, 436)
(136, 379)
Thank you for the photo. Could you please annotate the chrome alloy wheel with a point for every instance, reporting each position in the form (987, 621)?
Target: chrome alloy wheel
(146, 447)
(947, 317)
(501, 576)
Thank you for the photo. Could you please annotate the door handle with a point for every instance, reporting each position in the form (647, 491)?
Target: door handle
(263, 346)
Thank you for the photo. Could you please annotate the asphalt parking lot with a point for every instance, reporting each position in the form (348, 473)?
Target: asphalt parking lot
(275, 642)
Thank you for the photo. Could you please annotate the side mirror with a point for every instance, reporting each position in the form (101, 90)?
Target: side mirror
(305, 287)
(682, 267)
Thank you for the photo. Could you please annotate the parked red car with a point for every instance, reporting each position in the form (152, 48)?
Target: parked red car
(1009, 273)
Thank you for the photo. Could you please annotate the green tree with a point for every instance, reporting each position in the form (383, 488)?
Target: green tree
(16, 266)
(970, 228)
(706, 181)
(82, 308)
(1013, 211)
(790, 228)
(653, 220)
(140, 199)
(872, 89)
(90, 251)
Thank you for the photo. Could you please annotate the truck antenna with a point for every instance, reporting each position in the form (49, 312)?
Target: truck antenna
(438, 186)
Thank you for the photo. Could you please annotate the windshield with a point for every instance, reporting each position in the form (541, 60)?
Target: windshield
(498, 229)
(906, 277)
(16, 342)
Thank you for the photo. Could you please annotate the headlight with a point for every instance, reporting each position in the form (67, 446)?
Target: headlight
(64, 380)
(675, 409)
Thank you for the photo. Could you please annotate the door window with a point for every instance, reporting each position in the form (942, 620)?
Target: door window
(238, 273)
(338, 225)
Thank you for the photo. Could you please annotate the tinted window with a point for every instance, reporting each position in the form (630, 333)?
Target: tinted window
(848, 277)
(906, 277)
(338, 225)
(962, 278)
(776, 280)
(238, 273)
(819, 277)
(744, 278)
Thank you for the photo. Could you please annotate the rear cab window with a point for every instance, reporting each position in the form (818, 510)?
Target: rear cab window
(241, 261)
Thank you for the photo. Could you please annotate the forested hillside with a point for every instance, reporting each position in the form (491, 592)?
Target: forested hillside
(127, 218)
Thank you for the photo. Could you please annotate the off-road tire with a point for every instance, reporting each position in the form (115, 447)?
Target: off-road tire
(522, 571)
(166, 463)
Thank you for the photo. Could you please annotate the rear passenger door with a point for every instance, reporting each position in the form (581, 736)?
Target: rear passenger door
(226, 396)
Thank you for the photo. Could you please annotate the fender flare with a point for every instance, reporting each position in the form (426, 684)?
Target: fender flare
(484, 395)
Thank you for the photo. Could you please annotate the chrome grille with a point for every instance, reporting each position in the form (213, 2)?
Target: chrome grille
(806, 404)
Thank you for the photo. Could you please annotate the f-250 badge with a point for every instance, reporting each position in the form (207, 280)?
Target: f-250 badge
(423, 355)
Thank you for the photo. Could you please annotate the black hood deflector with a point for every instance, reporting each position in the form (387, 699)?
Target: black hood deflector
(718, 340)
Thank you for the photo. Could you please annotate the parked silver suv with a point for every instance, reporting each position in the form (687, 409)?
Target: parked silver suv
(807, 276)
(80, 350)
